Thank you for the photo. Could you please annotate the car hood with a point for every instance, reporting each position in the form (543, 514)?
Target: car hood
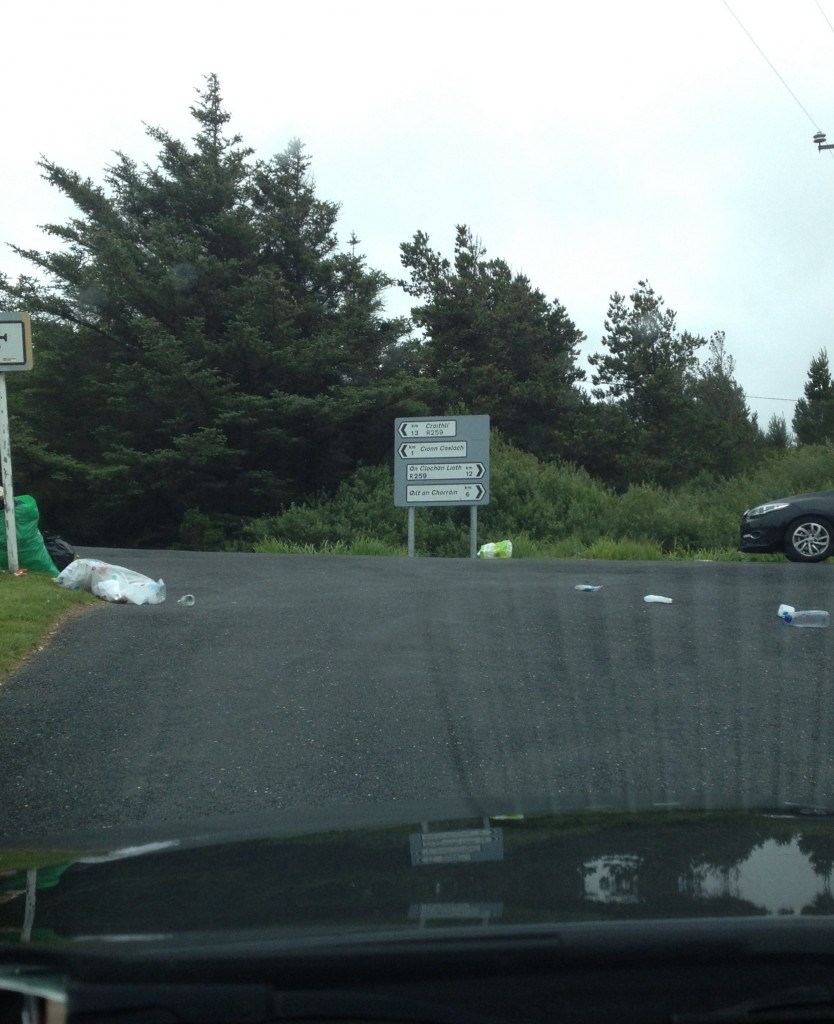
(812, 497)
(491, 871)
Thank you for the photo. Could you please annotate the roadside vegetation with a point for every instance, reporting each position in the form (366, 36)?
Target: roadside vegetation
(549, 510)
(236, 379)
(32, 606)
(234, 364)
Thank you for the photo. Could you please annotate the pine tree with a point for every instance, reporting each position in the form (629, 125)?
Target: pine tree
(647, 368)
(729, 440)
(777, 435)
(494, 344)
(203, 342)
(813, 418)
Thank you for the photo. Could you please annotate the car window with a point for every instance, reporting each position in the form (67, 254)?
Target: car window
(426, 415)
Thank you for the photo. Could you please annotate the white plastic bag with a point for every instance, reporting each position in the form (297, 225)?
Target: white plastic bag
(77, 574)
(111, 582)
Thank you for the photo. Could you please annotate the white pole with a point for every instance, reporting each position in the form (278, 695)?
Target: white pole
(8, 489)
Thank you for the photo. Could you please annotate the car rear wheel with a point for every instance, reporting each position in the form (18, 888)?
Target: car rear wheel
(810, 539)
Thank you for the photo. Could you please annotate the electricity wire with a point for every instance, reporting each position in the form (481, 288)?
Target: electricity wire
(822, 12)
(772, 65)
(768, 398)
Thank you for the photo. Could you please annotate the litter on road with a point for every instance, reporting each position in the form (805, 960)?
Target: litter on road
(657, 599)
(814, 617)
(500, 549)
(111, 582)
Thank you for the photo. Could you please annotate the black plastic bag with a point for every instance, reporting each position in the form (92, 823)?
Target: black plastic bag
(59, 550)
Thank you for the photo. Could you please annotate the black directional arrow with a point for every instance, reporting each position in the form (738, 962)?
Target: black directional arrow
(427, 428)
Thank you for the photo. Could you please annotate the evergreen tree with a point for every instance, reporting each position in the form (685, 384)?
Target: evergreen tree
(494, 344)
(202, 342)
(777, 436)
(813, 418)
(728, 435)
(648, 368)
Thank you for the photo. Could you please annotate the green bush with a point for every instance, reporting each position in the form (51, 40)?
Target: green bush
(549, 510)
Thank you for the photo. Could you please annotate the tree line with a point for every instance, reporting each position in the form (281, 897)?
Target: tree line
(207, 349)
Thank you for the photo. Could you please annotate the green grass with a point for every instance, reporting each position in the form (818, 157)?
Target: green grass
(605, 549)
(31, 608)
(359, 546)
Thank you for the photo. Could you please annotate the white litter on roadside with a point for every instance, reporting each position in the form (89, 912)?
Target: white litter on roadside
(657, 599)
(111, 582)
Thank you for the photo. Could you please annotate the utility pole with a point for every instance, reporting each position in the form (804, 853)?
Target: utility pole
(819, 138)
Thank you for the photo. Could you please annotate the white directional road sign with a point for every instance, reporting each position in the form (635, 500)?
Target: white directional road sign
(444, 470)
(445, 494)
(427, 428)
(433, 450)
(429, 466)
(15, 342)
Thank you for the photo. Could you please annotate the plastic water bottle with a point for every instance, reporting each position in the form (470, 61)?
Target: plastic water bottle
(813, 617)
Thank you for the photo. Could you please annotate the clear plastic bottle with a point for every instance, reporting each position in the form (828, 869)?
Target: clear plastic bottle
(812, 617)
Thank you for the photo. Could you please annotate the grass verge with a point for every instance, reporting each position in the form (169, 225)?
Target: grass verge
(524, 546)
(32, 607)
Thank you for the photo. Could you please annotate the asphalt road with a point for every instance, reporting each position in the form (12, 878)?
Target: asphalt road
(316, 682)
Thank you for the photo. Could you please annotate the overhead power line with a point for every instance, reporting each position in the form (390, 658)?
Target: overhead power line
(772, 65)
(822, 12)
(768, 398)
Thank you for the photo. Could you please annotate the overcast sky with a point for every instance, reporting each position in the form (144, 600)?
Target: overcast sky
(588, 144)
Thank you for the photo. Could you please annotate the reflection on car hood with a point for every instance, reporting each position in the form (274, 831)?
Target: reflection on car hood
(490, 871)
(798, 499)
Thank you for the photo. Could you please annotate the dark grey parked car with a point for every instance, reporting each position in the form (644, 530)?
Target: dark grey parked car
(801, 527)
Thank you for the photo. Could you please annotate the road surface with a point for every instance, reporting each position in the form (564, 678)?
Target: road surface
(303, 682)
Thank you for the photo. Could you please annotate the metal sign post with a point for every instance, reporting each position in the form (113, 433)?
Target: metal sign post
(8, 489)
(15, 355)
(441, 462)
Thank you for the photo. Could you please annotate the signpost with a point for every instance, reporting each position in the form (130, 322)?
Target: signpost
(15, 355)
(441, 462)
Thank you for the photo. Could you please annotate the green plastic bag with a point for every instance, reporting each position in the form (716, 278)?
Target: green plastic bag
(31, 550)
(500, 549)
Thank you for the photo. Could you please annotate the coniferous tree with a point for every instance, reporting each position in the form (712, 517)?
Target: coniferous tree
(777, 435)
(202, 342)
(677, 417)
(494, 344)
(813, 418)
(728, 436)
